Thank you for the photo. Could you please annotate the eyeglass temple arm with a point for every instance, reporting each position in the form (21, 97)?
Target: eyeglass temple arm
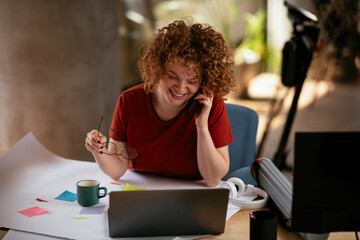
(115, 134)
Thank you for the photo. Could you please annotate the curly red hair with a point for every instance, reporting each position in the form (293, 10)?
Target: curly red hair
(196, 43)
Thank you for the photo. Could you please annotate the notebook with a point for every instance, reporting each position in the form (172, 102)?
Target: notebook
(167, 212)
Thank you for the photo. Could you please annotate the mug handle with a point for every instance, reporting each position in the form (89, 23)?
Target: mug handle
(105, 191)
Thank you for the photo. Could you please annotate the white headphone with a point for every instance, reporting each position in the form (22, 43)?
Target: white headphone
(232, 183)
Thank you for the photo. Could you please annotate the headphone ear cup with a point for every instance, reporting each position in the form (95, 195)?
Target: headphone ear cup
(252, 204)
(237, 188)
(229, 185)
(290, 63)
(239, 184)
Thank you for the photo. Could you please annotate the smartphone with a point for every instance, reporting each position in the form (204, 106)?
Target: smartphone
(192, 101)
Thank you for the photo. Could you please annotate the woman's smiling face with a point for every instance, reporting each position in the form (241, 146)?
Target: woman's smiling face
(179, 83)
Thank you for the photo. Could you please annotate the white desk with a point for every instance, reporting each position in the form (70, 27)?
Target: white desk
(29, 171)
(236, 228)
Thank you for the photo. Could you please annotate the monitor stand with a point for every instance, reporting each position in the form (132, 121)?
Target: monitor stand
(315, 236)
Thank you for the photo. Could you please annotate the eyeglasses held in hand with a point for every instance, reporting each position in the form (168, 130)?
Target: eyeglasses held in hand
(127, 152)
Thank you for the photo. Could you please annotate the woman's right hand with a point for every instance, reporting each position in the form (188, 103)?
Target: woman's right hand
(95, 142)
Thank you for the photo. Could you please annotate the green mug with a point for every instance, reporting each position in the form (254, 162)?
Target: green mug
(88, 192)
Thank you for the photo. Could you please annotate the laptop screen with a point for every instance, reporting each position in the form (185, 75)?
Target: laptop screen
(167, 212)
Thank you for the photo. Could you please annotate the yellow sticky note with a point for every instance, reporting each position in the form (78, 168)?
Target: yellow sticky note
(79, 218)
(128, 187)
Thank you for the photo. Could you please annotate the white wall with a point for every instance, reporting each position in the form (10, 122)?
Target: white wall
(58, 71)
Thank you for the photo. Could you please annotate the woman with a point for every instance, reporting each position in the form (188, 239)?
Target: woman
(175, 121)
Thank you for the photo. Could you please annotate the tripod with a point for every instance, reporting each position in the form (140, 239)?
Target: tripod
(297, 55)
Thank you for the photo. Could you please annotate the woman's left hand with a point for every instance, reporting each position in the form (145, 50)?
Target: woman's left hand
(205, 102)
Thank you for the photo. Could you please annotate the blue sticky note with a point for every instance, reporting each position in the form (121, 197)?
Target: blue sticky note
(67, 196)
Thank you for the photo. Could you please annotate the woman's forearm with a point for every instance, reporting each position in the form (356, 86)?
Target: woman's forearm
(112, 165)
(213, 162)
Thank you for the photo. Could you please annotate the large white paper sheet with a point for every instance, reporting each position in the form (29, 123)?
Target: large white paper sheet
(29, 171)
(16, 235)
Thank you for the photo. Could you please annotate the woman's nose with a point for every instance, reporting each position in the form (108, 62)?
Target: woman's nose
(181, 85)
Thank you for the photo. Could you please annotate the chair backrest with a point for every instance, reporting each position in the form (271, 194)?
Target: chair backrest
(244, 124)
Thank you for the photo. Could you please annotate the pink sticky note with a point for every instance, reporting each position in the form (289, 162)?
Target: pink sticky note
(30, 212)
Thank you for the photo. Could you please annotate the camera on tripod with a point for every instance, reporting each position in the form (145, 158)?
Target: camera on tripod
(297, 52)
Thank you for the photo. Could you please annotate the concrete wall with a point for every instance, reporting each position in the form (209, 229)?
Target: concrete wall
(59, 71)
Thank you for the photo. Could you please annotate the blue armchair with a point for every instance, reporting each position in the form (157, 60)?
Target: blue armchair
(244, 124)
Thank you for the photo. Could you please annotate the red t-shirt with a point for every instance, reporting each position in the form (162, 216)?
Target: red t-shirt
(166, 148)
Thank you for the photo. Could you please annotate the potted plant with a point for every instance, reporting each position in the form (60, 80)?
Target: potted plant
(253, 56)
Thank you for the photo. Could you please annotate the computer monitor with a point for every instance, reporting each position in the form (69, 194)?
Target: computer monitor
(326, 187)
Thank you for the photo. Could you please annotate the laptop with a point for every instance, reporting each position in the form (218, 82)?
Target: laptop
(167, 212)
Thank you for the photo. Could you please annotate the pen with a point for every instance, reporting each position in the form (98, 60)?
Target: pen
(100, 125)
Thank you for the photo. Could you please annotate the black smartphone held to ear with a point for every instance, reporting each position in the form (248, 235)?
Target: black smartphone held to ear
(192, 101)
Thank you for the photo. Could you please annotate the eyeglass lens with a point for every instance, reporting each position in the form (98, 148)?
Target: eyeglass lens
(111, 148)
